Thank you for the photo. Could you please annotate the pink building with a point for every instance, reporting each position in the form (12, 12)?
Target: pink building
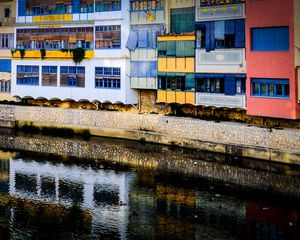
(273, 58)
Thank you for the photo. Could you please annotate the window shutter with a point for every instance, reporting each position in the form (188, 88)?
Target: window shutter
(190, 81)
(229, 26)
(220, 30)
(171, 48)
(76, 6)
(180, 48)
(240, 33)
(142, 39)
(131, 43)
(5, 65)
(229, 86)
(22, 8)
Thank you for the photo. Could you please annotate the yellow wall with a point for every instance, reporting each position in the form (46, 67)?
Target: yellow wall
(175, 97)
(184, 65)
(297, 30)
(53, 18)
(176, 38)
(51, 54)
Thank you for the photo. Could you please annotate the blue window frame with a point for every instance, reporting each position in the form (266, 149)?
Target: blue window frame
(27, 75)
(71, 76)
(108, 37)
(108, 77)
(278, 88)
(49, 75)
(270, 39)
(146, 5)
(107, 5)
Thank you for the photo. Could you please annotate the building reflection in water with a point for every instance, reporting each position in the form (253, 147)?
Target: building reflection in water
(102, 193)
(69, 201)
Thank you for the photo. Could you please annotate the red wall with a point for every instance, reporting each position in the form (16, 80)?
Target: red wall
(269, 13)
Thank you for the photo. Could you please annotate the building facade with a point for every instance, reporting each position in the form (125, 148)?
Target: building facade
(204, 52)
(7, 22)
(273, 58)
(49, 34)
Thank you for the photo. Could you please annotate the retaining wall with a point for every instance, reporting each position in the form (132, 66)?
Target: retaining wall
(282, 145)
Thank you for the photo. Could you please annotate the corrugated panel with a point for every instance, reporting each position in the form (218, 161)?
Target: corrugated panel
(190, 80)
(171, 48)
(142, 39)
(162, 46)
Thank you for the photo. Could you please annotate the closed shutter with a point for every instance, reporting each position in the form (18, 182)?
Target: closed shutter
(76, 6)
(171, 48)
(142, 39)
(180, 48)
(190, 81)
(189, 48)
(229, 86)
(22, 8)
(240, 33)
(5, 65)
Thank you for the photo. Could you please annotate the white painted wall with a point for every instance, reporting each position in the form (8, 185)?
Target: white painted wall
(125, 95)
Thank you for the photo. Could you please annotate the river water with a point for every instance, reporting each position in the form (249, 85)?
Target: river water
(55, 195)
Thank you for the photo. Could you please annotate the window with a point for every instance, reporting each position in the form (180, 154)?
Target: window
(107, 5)
(143, 68)
(6, 41)
(176, 48)
(49, 75)
(240, 84)
(270, 87)
(176, 81)
(182, 20)
(143, 5)
(270, 39)
(108, 37)
(27, 75)
(221, 34)
(204, 3)
(108, 77)
(4, 86)
(55, 38)
(6, 12)
(72, 76)
(210, 85)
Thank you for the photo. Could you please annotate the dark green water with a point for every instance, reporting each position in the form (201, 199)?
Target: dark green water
(53, 197)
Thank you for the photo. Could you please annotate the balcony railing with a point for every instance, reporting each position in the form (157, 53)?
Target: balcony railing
(56, 46)
(211, 13)
(221, 100)
(223, 56)
(7, 21)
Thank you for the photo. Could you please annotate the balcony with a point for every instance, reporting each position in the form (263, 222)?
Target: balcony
(143, 82)
(7, 21)
(165, 96)
(212, 13)
(144, 55)
(141, 17)
(221, 61)
(221, 100)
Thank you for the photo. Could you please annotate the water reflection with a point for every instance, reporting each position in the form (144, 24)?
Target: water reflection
(62, 199)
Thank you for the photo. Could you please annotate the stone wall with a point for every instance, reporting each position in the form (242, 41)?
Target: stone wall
(227, 137)
(249, 173)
